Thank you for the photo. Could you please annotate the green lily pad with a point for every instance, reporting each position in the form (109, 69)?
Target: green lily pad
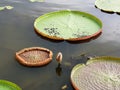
(68, 25)
(108, 5)
(102, 73)
(6, 7)
(36, 0)
(9, 7)
(2, 8)
(7, 85)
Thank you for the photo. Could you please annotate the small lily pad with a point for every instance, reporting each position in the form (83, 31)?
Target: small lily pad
(36, 0)
(108, 5)
(7, 85)
(101, 73)
(9, 7)
(6, 7)
(2, 8)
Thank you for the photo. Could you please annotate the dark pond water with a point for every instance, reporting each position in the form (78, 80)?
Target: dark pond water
(17, 32)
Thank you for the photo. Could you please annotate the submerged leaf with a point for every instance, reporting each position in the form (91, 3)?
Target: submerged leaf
(36, 0)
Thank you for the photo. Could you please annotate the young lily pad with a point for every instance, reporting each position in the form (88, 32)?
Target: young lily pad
(2, 8)
(108, 5)
(7, 85)
(102, 73)
(36, 0)
(9, 7)
(68, 25)
(6, 7)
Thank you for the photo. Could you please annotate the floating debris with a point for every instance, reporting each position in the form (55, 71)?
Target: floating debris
(82, 34)
(67, 64)
(81, 55)
(36, 0)
(64, 87)
(52, 31)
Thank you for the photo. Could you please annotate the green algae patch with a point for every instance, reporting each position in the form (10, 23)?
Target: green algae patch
(108, 5)
(68, 25)
(7, 85)
(101, 73)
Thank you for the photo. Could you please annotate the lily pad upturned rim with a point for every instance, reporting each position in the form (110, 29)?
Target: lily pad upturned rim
(97, 20)
(10, 84)
(97, 59)
(111, 11)
(41, 63)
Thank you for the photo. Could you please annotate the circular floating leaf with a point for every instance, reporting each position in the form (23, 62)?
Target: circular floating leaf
(7, 85)
(2, 8)
(6, 7)
(102, 73)
(34, 56)
(9, 7)
(68, 25)
(108, 5)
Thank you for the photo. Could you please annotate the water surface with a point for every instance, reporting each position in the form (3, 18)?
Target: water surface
(17, 32)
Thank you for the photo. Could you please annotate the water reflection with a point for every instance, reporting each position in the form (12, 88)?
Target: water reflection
(59, 70)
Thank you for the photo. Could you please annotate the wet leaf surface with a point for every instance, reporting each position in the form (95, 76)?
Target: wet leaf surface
(98, 73)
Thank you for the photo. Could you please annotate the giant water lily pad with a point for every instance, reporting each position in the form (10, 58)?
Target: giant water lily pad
(68, 25)
(34, 56)
(7, 85)
(102, 73)
(108, 5)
